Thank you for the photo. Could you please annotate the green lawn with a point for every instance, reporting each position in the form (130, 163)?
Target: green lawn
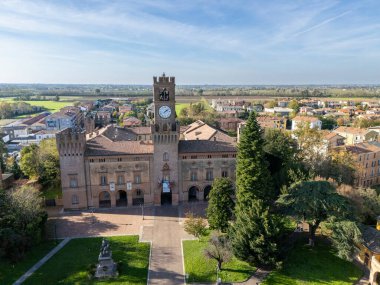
(71, 264)
(10, 272)
(180, 106)
(314, 266)
(201, 269)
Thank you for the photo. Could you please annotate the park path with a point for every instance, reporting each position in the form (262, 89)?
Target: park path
(41, 262)
(166, 267)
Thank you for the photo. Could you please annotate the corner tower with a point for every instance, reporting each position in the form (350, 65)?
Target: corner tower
(165, 135)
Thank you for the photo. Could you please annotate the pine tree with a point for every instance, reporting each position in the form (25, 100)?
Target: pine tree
(256, 235)
(220, 205)
(253, 177)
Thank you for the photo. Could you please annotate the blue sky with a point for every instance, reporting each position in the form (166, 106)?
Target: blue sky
(199, 42)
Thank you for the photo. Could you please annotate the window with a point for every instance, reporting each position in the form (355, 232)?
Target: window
(166, 156)
(184, 157)
(366, 165)
(224, 155)
(193, 157)
(102, 160)
(209, 174)
(372, 173)
(224, 173)
(119, 159)
(194, 175)
(138, 192)
(137, 178)
(120, 179)
(74, 200)
(103, 180)
(73, 183)
(91, 160)
(209, 156)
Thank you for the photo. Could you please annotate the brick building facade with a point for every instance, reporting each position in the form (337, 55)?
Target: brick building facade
(152, 165)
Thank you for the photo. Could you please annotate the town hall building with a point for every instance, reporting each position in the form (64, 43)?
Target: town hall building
(160, 164)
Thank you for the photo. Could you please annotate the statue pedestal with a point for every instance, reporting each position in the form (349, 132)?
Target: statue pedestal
(106, 268)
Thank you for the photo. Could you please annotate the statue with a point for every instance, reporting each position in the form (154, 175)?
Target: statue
(106, 267)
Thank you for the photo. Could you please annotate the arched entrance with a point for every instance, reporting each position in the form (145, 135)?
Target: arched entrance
(104, 200)
(193, 193)
(166, 198)
(121, 198)
(138, 197)
(206, 192)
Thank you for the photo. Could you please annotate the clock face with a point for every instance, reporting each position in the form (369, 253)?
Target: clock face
(165, 112)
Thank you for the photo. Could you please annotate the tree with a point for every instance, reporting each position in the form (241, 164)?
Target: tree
(253, 177)
(219, 249)
(310, 143)
(281, 150)
(22, 221)
(256, 235)
(29, 162)
(365, 201)
(293, 104)
(195, 226)
(314, 202)
(220, 205)
(345, 235)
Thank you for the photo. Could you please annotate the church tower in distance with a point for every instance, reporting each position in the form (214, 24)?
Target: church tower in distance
(165, 135)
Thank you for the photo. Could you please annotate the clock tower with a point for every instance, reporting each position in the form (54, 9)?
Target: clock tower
(165, 136)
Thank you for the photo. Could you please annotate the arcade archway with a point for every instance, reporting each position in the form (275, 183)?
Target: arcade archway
(104, 199)
(193, 193)
(206, 192)
(121, 198)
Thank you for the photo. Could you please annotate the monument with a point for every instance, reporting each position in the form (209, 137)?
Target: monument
(106, 267)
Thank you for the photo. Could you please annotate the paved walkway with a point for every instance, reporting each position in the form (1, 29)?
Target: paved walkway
(41, 262)
(166, 266)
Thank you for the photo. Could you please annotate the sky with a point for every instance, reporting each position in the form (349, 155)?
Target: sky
(198, 41)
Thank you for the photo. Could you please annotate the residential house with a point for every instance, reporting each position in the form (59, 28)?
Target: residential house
(272, 122)
(313, 122)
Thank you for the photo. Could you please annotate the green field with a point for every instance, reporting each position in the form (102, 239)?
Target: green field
(314, 266)
(10, 272)
(71, 265)
(180, 106)
(201, 269)
(51, 106)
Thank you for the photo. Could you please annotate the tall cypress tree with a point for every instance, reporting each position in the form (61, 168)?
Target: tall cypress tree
(256, 231)
(253, 176)
(256, 234)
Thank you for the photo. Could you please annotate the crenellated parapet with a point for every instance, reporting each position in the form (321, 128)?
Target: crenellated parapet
(71, 142)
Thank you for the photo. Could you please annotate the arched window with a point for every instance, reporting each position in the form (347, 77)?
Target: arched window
(74, 200)
(166, 156)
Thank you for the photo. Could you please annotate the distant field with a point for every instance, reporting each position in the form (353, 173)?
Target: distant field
(180, 106)
(51, 106)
